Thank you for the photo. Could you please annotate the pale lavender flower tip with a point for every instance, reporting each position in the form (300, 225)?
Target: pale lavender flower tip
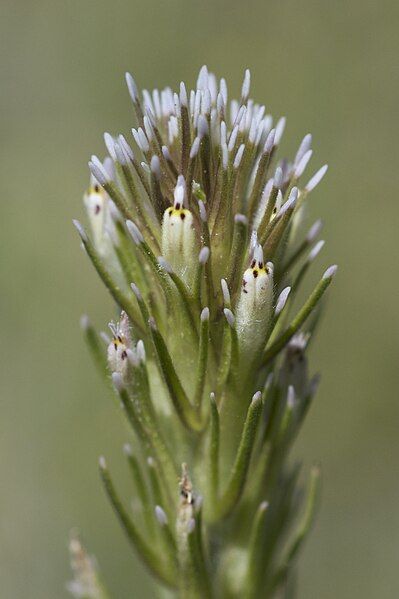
(136, 291)
(330, 272)
(125, 147)
(226, 292)
(110, 145)
(98, 171)
(120, 154)
(240, 218)
(80, 229)
(166, 153)
(163, 263)
(302, 164)
(280, 126)
(140, 349)
(278, 177)
(314, 231)
(229, 316)
(161, 515)
(134, 232)
(195, 147)
(290, 203)
(282, 300)
(155, 166)
(315, 180)
(183, 95)
(246, 85)
(269, 143)
(315, 250)
(202, 211)
(303, 148)
(102, 463)
(202, 126)
(203, 255)
(256, 397)
(238, 157)
(132, 87)
(205, 314)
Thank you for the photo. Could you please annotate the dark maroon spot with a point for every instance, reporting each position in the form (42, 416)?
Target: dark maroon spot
(260, 264)
(170, 210)
(115, 346)
(97, 209)
(253, 263)
(245, 291)
(255, 273)
(119, 339)
(182, 216)
(123, 355)
(177, 206)
(96, 188)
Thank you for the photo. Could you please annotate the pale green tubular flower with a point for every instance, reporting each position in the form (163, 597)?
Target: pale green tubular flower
(197, 231)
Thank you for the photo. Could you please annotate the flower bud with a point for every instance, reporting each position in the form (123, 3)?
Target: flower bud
(178, 236)
(121, 342)
(255, 304)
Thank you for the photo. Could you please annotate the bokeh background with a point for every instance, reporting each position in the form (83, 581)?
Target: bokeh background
(332, 68)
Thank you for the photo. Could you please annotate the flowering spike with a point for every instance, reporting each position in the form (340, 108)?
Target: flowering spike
(207, 200)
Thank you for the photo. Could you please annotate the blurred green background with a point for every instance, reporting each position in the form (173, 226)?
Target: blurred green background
(332, 68)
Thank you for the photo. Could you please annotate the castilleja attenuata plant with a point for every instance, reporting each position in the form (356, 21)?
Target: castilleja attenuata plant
(197, 229)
